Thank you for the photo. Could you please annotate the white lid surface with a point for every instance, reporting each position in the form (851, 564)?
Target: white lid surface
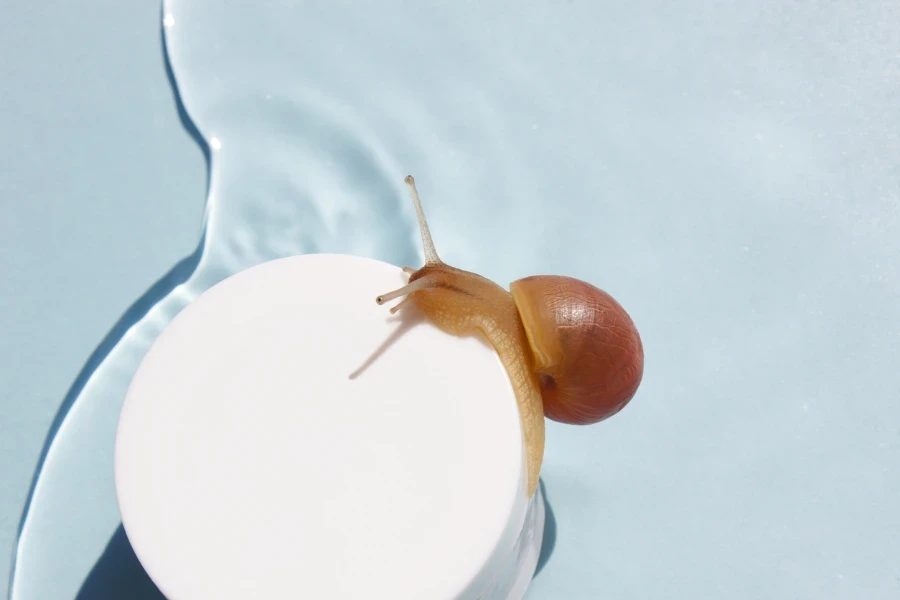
(249, 464)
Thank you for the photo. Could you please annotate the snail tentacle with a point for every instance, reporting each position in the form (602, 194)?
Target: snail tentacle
(415, 286)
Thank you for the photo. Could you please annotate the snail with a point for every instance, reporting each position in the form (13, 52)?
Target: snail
(570, 350)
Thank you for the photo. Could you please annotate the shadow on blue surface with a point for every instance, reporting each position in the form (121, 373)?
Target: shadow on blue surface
(118, 575)
(549, 540)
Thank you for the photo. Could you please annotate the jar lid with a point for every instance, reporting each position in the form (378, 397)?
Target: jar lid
(285, 436)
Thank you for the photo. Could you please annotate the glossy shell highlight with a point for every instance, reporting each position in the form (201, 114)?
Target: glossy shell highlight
(586, 348)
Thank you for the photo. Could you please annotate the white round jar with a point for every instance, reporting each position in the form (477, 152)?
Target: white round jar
(286, 437)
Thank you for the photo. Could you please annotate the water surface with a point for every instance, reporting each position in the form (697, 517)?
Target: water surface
(728, 171)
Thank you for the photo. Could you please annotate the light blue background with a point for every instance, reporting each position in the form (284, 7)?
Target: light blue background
(102, 191)
(728, 170)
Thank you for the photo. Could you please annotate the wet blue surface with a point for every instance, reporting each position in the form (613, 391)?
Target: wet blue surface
(727, 171)
(101, 191)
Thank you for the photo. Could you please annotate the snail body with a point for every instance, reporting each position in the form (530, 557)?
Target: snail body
(570, 350)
